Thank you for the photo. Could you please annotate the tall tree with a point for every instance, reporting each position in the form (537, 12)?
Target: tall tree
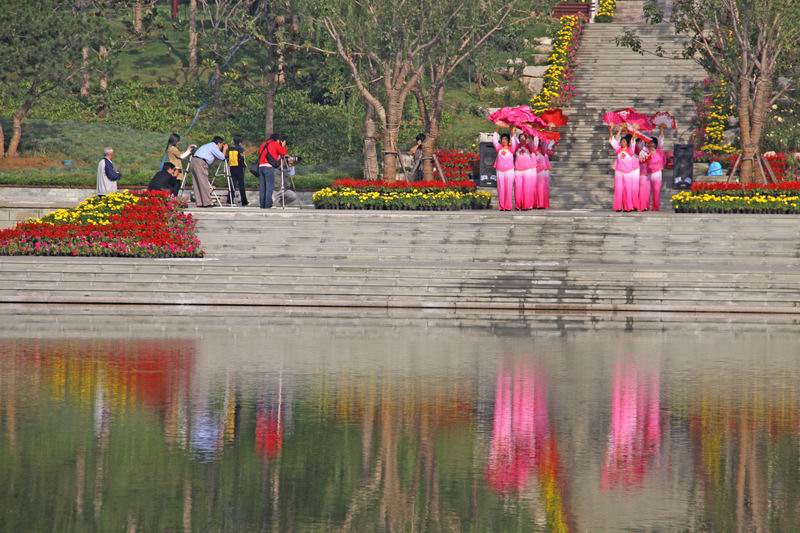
(387, 36)
(193, 61)
(459, 28)
(750, 44)
(225, 30)
(275, 28)
(39, 52)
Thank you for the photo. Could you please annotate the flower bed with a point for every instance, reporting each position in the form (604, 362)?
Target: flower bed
(687, 202)
(749, 189)
(399, 199)
(606, 10)
(558, 89)
(147, 224)
(457, 164)
(386, 186)
(714, 113)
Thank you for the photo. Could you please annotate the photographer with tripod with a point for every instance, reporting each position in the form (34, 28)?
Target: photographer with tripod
(203, 158)
(270, 155)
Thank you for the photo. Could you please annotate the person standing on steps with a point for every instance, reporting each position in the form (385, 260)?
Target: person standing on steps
(524, 173)
(174, 155)
(107, 175)
(652, 167)
(626, 171)
(237, 164)
(270, 154)
(546, 150)
(505, 146)
(203, 158)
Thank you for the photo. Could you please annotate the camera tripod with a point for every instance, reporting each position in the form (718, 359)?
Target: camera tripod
(222, 169)
(286, 171)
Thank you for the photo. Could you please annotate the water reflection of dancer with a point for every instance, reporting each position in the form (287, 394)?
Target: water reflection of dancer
(635, 436)
(523, 439)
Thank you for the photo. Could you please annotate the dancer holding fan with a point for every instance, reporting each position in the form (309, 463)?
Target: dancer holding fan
(525, 172)
(505, 145)
(626, 171)
(653, 160)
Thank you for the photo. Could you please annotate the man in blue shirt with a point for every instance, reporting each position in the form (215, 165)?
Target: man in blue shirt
(203, 158)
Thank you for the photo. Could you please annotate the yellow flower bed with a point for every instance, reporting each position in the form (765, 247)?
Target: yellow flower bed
(606, 10)
(444, 200)
(759, 202)
(557, 89)
(94, 210)
(717, 118)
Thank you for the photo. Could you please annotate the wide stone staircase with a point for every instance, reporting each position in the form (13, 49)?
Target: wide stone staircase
(558, 261)
(609, 77)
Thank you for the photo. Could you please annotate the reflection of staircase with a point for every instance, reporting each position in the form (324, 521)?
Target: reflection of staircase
(607, 78)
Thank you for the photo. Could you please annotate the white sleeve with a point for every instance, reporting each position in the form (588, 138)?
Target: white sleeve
(496, 140)
(514, 143)
(186, 154)
(614, 143)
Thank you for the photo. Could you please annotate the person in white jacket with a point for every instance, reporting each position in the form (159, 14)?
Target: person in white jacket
(107, 175)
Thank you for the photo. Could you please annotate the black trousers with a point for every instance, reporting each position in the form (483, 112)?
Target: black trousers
(237, 181)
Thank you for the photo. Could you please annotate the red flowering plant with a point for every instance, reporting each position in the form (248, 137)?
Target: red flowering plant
(146, 224)
(457, 164)
(386, 186)
(746, 189)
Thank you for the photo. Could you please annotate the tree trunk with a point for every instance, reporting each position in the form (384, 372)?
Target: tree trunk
(370, 145)
(391, 132)
(16, 128)
(432, 134)
(2, 141)
(217, 95)
(85, 76)
(137, 17)
(193, 37)
(269, 104)
(175, 5)
(103, 54)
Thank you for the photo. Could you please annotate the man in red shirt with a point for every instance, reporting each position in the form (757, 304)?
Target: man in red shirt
(270, 154)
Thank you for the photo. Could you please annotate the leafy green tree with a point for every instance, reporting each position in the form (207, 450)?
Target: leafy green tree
(459, 29)
(40, 50)
(750, 44)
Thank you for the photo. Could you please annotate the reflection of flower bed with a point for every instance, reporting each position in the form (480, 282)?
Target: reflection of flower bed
(408, 199)
(149, 224)
(738, 201)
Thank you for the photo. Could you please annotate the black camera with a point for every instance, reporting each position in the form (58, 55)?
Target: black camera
(293, 160)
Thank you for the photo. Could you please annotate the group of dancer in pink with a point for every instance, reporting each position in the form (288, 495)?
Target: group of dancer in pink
(637, 170)
(523, 169)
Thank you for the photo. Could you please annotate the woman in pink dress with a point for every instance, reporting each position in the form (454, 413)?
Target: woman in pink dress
(653, 165)
(543, 174)
(525, 173)
(626, 172)
(505, 146)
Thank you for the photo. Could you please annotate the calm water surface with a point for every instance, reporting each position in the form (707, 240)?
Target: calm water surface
(249, 420)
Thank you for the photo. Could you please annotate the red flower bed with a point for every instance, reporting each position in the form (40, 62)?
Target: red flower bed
(155, 226)
(463, 185)
(456, 164)
(785, 186)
